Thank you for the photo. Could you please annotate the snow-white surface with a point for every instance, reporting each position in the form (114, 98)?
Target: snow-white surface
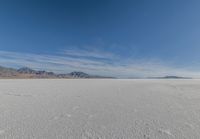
(99, 109)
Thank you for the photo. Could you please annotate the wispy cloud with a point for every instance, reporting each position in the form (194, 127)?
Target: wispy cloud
(91, 62)
(88, 54)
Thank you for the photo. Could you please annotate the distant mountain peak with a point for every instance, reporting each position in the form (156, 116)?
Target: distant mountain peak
(79, 74)
(26, 70)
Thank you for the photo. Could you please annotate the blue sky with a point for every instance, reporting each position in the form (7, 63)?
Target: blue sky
(123, 38)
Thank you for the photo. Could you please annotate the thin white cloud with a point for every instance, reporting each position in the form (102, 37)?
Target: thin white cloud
(112, 67)
(88, 54)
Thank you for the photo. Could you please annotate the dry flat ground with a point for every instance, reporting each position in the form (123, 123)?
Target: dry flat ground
(99, 109)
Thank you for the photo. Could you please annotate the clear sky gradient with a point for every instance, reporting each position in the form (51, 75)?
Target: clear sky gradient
(122, 38)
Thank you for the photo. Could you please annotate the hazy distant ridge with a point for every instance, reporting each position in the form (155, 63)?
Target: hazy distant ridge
(170, 77)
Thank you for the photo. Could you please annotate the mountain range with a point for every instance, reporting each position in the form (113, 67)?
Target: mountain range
(26, 72)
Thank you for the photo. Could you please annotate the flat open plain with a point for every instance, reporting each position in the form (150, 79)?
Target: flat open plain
(99, 109)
